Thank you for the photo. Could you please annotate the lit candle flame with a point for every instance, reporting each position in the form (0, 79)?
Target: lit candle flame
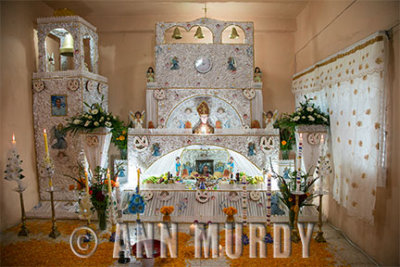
(13, 139)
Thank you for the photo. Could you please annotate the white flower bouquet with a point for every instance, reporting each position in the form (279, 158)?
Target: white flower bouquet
(95, 117)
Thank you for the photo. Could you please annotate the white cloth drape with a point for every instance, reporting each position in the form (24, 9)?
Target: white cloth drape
(351, 87)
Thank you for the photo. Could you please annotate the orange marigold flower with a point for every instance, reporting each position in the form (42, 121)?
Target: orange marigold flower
(284, 142)
(167, 210)
(123, 132)
(290, 199)
(122, 138)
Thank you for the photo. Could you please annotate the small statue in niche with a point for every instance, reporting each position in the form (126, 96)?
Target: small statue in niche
(58, 134)
(175, 63)
(150, 75)
(231, 165)
(151, 125)
(204, 126)
(257, 77)
(156, 150)
(178, 166)
(231, 64)
(218, 124)
(251, 149)
(270, 118)
(137, 119)
(50, 62)
(255, 124)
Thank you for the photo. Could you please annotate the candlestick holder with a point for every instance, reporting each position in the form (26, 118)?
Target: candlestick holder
(24, 231)
(320, 234)
(54, 231)
(295, 231)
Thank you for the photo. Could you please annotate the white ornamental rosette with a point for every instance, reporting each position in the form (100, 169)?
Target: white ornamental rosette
(95, 145)
(311, 144)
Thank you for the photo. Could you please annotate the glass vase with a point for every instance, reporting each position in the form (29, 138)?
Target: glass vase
(285, 154)
(123, 153)
(101, 214)
(166, 218)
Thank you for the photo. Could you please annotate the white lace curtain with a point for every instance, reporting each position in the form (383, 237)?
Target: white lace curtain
(351, 87)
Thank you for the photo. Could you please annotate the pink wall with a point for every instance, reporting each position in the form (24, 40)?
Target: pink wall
(18, 62)
(324, 28)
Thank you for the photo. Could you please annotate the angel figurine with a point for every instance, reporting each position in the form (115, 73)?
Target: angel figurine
(270, 118)
(58, 135)
(137, 119)
(150, 75)
(257, 77)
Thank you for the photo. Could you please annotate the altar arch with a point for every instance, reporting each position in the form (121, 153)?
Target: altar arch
(167, 162)
(220, 110)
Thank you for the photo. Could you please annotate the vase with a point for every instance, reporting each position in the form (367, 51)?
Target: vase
(123, 153)
(101, 214)
(166, 218)
(230, 219)
(95, 145)
(285, 154)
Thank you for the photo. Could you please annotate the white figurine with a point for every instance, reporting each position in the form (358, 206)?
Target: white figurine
(50, 63)
(137, 119)
(270, 118)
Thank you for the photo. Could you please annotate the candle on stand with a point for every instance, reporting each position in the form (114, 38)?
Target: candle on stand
(138, 179)
(299, 156)
(46, 144)
(86, 182)
(109, 182)
(321, 162)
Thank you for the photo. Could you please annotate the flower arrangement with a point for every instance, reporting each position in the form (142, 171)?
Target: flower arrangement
(287, 186)
(95, 117)
(167, 210)
(120, 138)
(230, 211)
(308, 113)
(136, 204)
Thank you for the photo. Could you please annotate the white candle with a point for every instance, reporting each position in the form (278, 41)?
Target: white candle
(109, 182)
(299, 162)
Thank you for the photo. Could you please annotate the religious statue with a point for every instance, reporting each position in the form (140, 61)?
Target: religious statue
(178, 166)
(203, 127)
(175, 63)
(150, 75)
(257, 77)
(50, 63)
(231, 64)
(231, 164)
(137, 119)
(270, 118)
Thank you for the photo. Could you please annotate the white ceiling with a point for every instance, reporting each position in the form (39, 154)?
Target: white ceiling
(224, 10)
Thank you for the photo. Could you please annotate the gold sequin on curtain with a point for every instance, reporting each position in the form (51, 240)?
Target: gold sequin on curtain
(351, 87)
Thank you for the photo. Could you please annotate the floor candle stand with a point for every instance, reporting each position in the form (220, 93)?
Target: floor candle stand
(54, 231)
(320, 234)
(24, 231)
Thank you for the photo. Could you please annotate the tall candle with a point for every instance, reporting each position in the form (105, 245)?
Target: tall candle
(109, 182)
(269, 192)
(86, 182)
(298, 181)
(138, 179)
(46, 144)
(321, 162)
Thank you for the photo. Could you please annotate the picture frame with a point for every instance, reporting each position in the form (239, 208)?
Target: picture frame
(59, 105)
(200, 164)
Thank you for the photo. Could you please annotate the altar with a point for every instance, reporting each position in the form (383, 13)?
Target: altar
(203, 111)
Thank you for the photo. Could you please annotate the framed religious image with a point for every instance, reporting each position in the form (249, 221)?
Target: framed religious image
(201, 163)
(58, 105)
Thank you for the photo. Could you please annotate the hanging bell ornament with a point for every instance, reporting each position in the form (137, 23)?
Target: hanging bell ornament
(234, 34)
(67, 48)
(199, 33)
(177, 34)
